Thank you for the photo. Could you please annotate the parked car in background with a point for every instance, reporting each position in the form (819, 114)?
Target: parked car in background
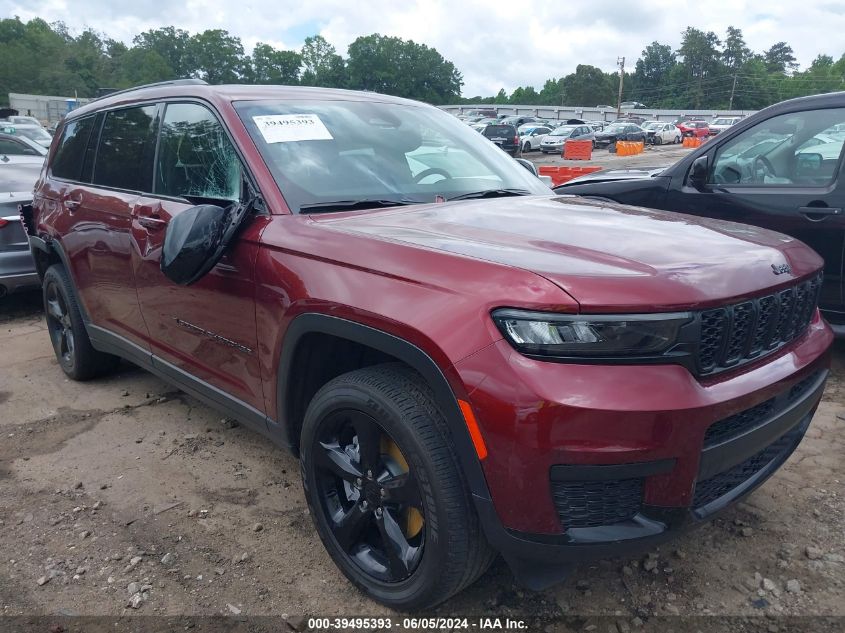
(33, 132)
(779, 169)
(12, 147)
(18, 119)
(597, 126)
(532, 135)
(604, 107)
(479, 112)
(686, 117)
(504, 135)
(554, 141)
(720, 124)
(619, 131)
(631, 118)
(21, 161)
(479, 125)
(627, 105)
(661, 133)
(517, 120)
(698, 129)
(465, 364)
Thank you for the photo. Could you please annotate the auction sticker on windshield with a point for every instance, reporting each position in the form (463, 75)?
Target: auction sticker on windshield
(285, 128)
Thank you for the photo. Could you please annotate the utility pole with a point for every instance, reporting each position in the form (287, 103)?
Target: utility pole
(731, 104)
(621, 62)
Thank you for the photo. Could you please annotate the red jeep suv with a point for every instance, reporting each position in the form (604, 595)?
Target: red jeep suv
(466, 364)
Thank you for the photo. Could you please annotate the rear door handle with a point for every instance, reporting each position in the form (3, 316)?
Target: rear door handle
(71, 204)
(821, 213)
(151, 222)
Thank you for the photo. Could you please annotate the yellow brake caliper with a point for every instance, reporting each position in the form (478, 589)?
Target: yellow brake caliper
(413, 517)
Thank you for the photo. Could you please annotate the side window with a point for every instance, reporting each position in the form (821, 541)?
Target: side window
(125, 153)
(798, 149)
(67, 162)
(195, 157)
(14, 148)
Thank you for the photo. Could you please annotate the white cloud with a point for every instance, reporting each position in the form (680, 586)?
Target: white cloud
(495, 43)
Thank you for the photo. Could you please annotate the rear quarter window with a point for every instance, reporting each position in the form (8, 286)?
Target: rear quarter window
(68, 159)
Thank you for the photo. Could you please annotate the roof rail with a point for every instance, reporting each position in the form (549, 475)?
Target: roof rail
(172, 82)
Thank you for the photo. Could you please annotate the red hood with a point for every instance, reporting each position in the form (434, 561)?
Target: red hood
(606, 256)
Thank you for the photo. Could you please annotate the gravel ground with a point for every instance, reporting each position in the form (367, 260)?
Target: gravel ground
(125, 497)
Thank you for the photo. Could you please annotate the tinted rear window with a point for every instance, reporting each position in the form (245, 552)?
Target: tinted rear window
(67, 163)
(125, 153)
(499, 130)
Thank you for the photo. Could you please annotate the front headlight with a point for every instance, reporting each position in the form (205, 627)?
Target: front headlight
(597, 336)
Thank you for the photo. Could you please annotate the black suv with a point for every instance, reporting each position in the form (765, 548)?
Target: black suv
(781, 168)
(505, 136)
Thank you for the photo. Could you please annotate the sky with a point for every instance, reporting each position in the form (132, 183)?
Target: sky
(493, 43)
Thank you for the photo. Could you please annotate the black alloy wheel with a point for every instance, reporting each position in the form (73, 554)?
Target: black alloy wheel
(59, 324)
(369, 495)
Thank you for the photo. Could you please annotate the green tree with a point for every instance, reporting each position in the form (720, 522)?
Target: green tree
(780, 58)
(321, 65)
(402, 68)
(271, 66)
(172, 45)
(735, 52)
(217, 57)
(587, 86)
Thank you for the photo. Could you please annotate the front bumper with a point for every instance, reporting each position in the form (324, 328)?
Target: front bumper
(558, 433)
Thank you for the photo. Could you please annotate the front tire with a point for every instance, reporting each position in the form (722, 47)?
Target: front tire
(76, 356)
(385, 490)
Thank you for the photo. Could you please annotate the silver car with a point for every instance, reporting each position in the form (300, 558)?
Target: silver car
(20, 164)
(553, 143)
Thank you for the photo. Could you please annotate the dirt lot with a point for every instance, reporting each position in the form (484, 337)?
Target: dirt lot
(126, 480)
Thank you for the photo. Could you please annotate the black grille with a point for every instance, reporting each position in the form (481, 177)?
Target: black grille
(749, 419)
(739, 423)
(738, 333)
(708, 490)
(594, 503)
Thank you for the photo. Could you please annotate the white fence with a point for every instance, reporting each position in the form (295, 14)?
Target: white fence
(593, 113)
(45, 108)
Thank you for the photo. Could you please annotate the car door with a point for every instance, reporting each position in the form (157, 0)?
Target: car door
(100, 167)
(775, 175)
(203, 333)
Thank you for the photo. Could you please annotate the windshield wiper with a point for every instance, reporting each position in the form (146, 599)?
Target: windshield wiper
(492, 193)
(350, 205)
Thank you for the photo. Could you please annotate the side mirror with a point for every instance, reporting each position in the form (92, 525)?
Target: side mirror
(697, 177)
(528, 165)
(196, 239)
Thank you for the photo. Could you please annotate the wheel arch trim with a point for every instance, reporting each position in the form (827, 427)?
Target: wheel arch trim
(402, 350)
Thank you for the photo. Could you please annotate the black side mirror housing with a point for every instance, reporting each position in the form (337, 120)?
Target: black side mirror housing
(697, 177)
(528, 165)
(197, 238)
(192, 238)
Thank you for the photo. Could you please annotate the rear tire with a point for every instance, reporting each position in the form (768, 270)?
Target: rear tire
(73, 349)
(393, 403)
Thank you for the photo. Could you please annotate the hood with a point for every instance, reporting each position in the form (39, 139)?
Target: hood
(608, 257)
(617, 174)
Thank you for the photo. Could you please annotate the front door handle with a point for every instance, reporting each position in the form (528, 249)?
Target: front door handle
(71, 205)
(151, 222)
(818, 214)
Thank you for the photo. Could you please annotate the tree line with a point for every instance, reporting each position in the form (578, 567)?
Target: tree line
(42, 58)
(705, 72)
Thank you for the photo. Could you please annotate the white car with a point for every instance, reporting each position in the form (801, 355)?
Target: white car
(32, 132)
(661, 133)
(722, 123)
(16, 119)
(531, 136)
